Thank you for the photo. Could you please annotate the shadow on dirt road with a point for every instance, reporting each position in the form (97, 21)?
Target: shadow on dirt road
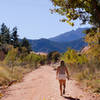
(70, 98)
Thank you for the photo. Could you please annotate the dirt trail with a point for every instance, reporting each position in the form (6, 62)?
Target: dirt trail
(41, 84)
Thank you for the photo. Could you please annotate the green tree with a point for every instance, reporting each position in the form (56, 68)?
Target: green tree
(49, 57)
(56, 56)
(32, 59)
(5, 34)
(72, 57)
(85, 10)
(88, 11)
(25, 43)
(53, 56)
(14, 38)
(8, 37)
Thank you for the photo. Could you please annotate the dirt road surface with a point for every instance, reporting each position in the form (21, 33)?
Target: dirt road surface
(41, 84)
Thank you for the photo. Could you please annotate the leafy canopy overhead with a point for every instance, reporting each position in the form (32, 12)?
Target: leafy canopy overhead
(88, 11)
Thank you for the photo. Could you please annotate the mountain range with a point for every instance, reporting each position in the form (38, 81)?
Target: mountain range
(69, 36)
(73, 39)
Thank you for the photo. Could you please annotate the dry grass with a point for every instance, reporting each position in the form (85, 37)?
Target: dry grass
(7, 75)
(87, 75)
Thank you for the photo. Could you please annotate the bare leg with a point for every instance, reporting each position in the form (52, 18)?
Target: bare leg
(61, 83)
(64, 86)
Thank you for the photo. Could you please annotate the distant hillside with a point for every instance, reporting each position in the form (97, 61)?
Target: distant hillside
(76, 44)
(72, 39)
(45, 45)
(69, 36)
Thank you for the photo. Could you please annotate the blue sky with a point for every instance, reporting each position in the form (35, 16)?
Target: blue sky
(33, 18)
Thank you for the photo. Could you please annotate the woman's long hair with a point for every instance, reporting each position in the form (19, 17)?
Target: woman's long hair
(62, 64)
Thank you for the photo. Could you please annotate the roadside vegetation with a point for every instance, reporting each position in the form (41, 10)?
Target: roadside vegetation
(85, 65)
(16, 57)
(53, 57)
(84, 68)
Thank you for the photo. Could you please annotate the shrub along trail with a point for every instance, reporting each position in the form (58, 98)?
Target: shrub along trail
(41, 84)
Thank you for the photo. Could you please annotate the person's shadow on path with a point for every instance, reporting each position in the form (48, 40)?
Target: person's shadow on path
(70, 98)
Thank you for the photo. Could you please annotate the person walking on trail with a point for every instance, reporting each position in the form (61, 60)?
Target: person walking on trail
(61, 76)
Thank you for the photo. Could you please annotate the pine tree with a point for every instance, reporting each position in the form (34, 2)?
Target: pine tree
(25, 43)
(8, 37)
(14, 38)
(4, 34)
